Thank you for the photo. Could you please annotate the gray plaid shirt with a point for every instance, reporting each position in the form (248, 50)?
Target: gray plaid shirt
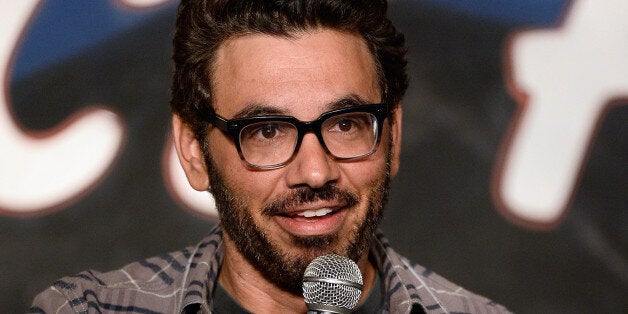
(183, 282)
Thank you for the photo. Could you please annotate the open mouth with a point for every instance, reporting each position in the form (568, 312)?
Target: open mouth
(312, 220)
(312, 214)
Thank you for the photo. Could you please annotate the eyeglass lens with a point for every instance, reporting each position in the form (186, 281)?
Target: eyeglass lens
(347, 135)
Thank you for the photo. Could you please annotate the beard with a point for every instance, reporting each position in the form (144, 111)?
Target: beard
(283, 269)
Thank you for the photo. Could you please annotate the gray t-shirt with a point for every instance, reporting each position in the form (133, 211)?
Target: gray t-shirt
(374, 303)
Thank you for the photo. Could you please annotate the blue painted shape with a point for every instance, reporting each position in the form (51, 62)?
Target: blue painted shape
(513, 12)
(63, 28)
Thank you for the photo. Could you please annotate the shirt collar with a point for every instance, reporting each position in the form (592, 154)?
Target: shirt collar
(402, 292)
(204, 262)
(205, 259)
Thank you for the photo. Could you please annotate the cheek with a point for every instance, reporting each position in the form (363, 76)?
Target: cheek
(255, 187)
(372, 170)
(365, 175)
(225, 157)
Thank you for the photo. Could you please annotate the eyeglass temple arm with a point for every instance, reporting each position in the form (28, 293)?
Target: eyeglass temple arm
(214, 119)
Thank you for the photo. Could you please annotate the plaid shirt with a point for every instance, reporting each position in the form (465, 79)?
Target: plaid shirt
(183, 282)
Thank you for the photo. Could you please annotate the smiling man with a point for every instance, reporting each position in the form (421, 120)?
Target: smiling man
(289, 112)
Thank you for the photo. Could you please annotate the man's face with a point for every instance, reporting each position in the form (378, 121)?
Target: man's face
(281, 219)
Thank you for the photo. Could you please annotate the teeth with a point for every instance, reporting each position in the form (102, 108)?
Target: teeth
(315, 213)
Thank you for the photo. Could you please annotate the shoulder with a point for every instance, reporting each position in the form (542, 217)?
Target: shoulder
(410, 283)
(447, 295)
(148, 286)
(161, 284)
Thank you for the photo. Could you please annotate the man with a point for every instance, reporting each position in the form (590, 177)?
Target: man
(289, 111)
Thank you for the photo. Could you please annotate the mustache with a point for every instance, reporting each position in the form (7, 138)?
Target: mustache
(305, 194)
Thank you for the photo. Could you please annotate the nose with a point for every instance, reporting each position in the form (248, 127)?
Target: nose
(311, 166)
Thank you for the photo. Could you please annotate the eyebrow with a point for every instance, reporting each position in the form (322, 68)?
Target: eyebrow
(349, 100)
(258, 109)
(261, 109)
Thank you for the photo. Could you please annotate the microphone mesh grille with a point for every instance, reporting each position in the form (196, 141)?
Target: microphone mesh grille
(336, 267)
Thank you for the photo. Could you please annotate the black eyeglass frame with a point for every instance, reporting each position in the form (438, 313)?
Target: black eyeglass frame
(233, 127)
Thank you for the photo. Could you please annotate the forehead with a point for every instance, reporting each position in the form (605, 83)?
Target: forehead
(299, 75)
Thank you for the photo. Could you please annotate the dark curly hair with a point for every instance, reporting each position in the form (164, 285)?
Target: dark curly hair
(203, 25)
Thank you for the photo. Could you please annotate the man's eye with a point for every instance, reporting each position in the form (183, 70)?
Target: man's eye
(349, 124)
(345, 125)
(267, 131)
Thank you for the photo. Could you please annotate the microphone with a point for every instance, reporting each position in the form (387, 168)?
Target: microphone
(332, 284)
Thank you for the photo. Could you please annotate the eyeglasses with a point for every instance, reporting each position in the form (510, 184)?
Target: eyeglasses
(270, 142)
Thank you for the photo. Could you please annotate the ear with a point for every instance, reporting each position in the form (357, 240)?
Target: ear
(190, 154)
(396, 140)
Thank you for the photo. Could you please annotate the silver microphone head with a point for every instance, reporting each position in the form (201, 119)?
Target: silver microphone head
(332, 283)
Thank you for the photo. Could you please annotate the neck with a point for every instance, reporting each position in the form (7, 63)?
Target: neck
(257, 294)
